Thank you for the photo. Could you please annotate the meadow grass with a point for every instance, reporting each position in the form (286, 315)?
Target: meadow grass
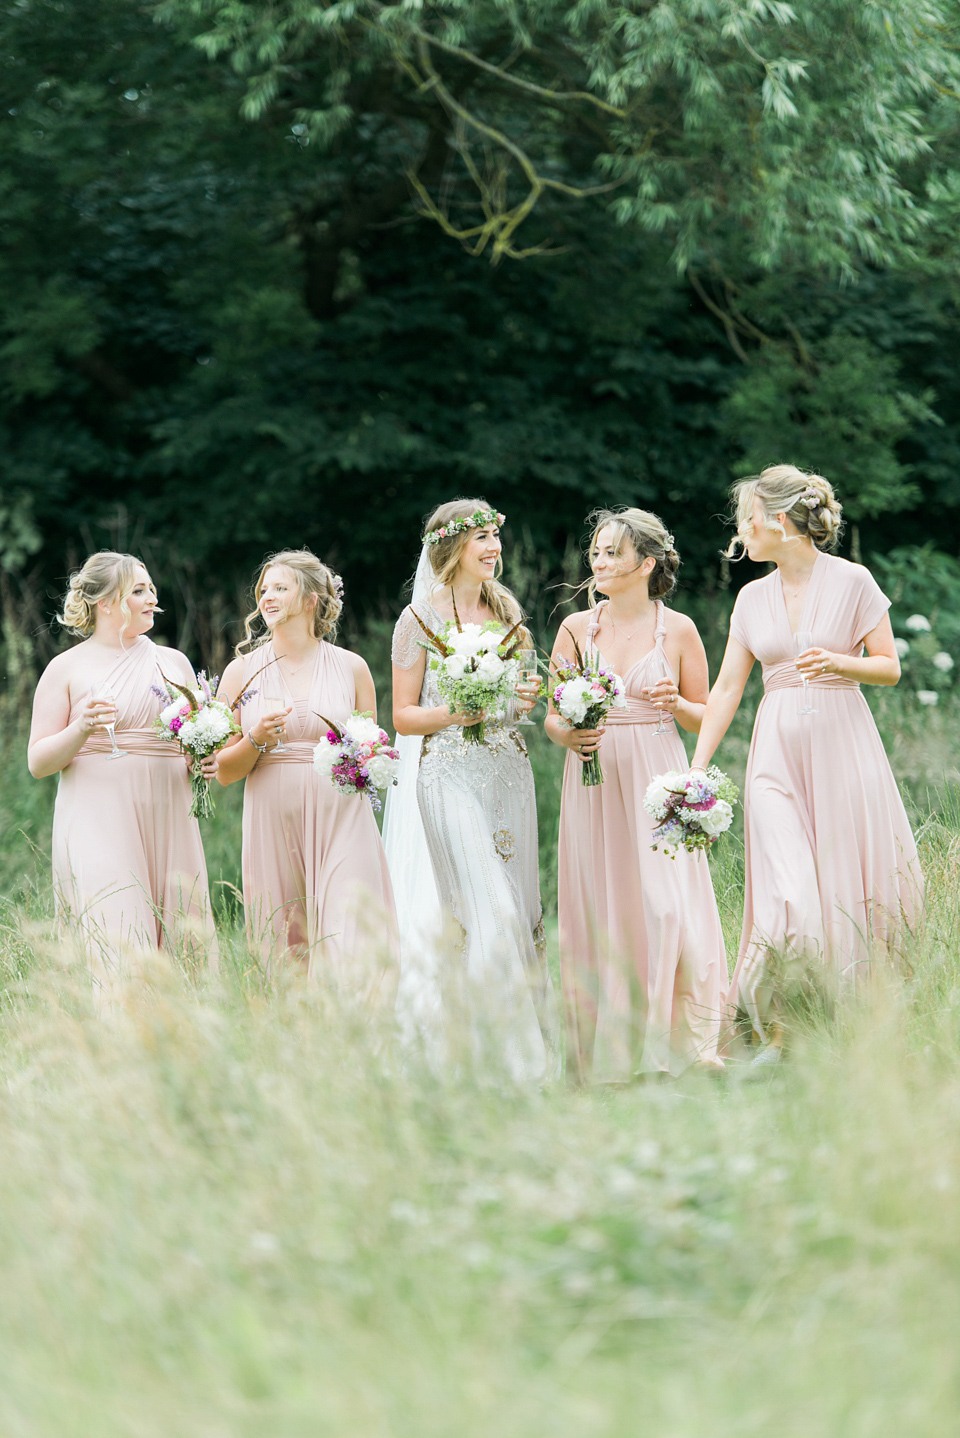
(233, 1208)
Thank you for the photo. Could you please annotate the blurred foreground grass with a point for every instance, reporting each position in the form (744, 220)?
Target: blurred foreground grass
(233, 1210)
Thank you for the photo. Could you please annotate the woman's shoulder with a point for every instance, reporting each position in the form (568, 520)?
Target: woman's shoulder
(847, 571)
(578, 623)
(679, 625)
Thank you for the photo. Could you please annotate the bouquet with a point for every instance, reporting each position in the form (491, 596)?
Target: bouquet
(200, 724)
(357, 758)
(690, 809)
(476, 667)
(584, 694)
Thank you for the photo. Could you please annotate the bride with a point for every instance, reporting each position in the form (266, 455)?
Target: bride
(461, 828)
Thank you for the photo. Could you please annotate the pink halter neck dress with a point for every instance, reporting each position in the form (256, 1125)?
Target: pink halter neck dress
(641, 948)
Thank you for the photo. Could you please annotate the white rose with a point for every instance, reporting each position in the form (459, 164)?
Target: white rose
(716, 820)
(917, 624)
(943, 661)
(470, 641)
(383, 770)
(490, 666)
(455, 666)
(928, 696)
(363, 730)
(172, 710)
(902, 647)
(325, 755)
(655, 799)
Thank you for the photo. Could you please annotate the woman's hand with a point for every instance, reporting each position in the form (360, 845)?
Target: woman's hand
(527, 695)
(272, 727)
(467, 721)
(664, 694)
(583, 742)
(95, 714)
(813, 662)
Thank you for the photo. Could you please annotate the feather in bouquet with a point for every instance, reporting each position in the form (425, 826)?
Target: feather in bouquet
(691, 810)
(200, 724)
(583, 696)
(357, 757)
(476, 667)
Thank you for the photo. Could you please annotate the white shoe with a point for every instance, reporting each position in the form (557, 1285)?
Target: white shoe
(768, 1057)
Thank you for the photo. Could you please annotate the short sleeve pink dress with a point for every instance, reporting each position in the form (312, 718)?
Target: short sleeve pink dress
(831, 863)
(128, 863)
(641, 947)
(315, 877)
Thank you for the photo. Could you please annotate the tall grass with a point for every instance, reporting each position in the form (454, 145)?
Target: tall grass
(234, 1208)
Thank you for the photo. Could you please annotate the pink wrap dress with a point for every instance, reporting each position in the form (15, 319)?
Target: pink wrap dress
(128, 862)
(315, 877)
(641, 947)
(831, 863)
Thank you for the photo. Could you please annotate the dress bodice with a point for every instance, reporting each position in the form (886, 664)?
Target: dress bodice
(842, 605)
(332, 695)
(409, 641)
(647, 670)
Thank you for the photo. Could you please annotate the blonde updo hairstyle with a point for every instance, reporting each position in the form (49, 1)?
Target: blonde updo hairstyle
(312, 576)
(780, 490)
(649, 538)
(105, 575)
(445, 559)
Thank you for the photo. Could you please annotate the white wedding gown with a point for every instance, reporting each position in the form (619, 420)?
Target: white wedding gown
(488, 976)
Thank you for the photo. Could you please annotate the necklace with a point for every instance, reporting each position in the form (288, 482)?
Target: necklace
(476, 617)
(796, 593)
(295, 669)
(627, 636)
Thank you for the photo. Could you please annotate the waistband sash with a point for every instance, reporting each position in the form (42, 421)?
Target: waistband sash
(133, 741)
(786, 675)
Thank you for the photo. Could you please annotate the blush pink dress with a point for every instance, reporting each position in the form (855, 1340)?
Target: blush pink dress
(641, 947)
(128, 863)
(315, 877)
(831, 863)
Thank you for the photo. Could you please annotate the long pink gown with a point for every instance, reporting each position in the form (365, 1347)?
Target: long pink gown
(641, 947)
(128, 863)
(831, 863)
(315, 877)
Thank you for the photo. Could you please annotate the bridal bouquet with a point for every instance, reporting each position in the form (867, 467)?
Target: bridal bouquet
(692, 810)
(477, 669)
(584, 694)
(200, 724)
(357, 758)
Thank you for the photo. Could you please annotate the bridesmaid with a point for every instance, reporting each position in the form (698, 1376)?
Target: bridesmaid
(641, 947)
(315, 881)
(476, 805)
(128, 864)
(831, 865)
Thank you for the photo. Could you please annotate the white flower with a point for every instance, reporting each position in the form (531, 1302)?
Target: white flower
(902, 647)
(455, 666)
(383, 770)
(171, 711)
(575, 700)
(655, 799)
(716, 820)
(490, 666)
(928, 696)
(943, 661)
(917, 624)
(325, 755)
(363, 730)
(469, 641)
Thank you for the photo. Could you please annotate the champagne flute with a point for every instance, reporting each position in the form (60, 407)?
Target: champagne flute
(802, 641)
(105, 695)
(529, 674)
(276, 701)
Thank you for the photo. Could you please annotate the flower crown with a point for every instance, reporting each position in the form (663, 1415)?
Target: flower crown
(810, 498)
(477, 520)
